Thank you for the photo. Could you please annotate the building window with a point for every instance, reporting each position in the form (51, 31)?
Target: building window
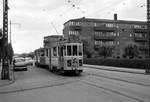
(110, 25)
(73, 32)
(77, 23)
(118, 34)
(140, 35)
(144, 26)
(71, 23)
(95, 24)
(108, 34)
(140, 26)
(109, 43)
(118, 42)
(104, 43)
(130, 35)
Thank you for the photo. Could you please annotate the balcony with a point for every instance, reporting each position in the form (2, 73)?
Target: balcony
(103, 29)
(144, 47)
(110, 46)
(104, 37)
(75, 27)
(140, 39)
(140, 30)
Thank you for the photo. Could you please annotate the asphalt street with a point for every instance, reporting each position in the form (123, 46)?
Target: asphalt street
(93, 85)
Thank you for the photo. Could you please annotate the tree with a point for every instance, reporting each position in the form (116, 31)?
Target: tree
(105, 51)
(10, 52)
(88, 50)
(131, 51)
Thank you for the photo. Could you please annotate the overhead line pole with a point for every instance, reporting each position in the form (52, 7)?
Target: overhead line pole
(5, 62)
(147, 71)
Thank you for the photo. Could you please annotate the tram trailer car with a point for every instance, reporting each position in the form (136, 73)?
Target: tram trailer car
(40, 59)
(62, 56)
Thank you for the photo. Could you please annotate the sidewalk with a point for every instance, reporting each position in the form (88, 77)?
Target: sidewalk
(5, 82)
(119, 69)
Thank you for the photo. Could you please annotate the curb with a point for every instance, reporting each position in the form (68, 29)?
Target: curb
(6, 84)
(113, 69)
(11, 80)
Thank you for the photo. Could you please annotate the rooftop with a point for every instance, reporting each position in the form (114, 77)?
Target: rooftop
(83, 19)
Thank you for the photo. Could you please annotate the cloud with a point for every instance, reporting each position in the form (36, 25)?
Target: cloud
(35, 17)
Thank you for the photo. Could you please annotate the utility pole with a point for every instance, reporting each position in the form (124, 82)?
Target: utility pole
(10, 32)
(5, 60)
(147, 71)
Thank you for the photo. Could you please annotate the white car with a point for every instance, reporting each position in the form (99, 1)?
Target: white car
(29, 61)
(19, 63)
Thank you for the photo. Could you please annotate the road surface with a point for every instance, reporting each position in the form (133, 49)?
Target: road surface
(40, 85)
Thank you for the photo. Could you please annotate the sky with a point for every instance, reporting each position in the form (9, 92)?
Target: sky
(34, 19)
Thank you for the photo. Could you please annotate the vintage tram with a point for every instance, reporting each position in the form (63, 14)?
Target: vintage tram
(61, 56)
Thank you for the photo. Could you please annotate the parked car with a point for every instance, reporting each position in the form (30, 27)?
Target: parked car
(19, 63)
(29, 61)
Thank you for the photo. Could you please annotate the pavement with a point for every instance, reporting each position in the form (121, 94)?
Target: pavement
(6, 82)
(8, 86)
(119, 69)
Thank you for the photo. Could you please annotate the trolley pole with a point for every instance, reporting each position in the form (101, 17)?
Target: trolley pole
(5, 60)
(147, 71)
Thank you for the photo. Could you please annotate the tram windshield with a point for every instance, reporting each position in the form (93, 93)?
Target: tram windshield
(69, 50)
(80, 50)
(74, 50)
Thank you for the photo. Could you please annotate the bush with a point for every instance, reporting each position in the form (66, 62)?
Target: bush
(128, 63)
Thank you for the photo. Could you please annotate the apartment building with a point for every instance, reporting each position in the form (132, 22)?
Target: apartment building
(116, 34)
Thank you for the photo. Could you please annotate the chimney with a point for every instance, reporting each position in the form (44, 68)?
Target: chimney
(115, 17)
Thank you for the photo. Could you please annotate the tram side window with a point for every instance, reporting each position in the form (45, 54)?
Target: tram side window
(80, 50)
(54, 51)
(61, 51)
(69, 50)
(64, 50)
(47, 52)
(74, 50)
(42, 53)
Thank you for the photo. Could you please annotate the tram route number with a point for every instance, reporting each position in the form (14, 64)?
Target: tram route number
(74, 62)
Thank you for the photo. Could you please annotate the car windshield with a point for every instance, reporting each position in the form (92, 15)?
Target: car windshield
(19, 59)
(28, 58)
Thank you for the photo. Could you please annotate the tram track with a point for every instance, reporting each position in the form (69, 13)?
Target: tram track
(115, 70)
(87, 82)
(117, 79)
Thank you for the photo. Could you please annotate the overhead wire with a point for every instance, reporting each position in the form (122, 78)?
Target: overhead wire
(76, 5)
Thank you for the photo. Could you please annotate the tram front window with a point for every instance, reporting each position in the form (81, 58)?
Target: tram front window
(74, 50)
(80, 50)
(69, 50)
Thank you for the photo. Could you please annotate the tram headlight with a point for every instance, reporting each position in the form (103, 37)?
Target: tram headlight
(80, 62)
(69, 63)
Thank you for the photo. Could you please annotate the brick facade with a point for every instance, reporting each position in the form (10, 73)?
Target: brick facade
(116, 34)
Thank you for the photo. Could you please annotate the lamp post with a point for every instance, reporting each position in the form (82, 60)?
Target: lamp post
(5, 61)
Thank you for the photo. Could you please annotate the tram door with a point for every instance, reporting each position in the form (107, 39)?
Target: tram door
(61, 57)
(50, 59)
